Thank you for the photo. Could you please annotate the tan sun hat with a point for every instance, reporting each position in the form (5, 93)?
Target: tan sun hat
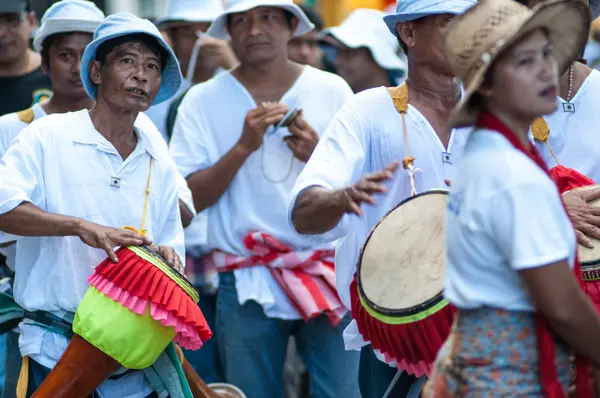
(477, 37)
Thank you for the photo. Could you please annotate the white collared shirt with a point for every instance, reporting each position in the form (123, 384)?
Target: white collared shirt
(209, 122)
(365, 136)
(63, 165)
(11, 126)
(574, 137)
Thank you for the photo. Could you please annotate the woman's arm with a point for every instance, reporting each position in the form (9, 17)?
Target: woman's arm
(569, 312)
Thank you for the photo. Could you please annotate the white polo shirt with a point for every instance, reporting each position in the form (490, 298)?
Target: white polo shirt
(209, 123)
(505, 215)
(11, 126)
(574, 136)
(63, 165)
(365, 136)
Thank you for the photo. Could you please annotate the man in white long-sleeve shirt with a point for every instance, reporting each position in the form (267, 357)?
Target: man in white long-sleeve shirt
(273, 282)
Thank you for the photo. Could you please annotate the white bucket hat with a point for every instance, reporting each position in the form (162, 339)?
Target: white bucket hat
(190, 11)
(218, 29)
(68, 16)
(365, 28)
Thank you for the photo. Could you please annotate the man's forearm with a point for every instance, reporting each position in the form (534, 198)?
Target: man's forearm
(209, 185)
(186, 215)
(317, 210)
(29, 220)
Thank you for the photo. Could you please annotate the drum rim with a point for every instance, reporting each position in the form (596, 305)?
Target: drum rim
(152, 253)
(400, 311)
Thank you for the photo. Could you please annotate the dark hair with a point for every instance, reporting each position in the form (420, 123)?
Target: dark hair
(288, 17)
(47, 43)
(313, 16)
(108, 46)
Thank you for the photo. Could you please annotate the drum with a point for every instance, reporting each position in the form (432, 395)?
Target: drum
(224, 390)
(397, 293)
(589, 259)
(131, 312)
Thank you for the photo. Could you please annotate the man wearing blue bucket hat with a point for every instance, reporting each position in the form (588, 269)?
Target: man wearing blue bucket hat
(241, 153)
(73, 180)
(395, 140)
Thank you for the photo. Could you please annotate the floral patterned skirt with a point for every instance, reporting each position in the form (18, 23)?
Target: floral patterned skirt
(492, 353)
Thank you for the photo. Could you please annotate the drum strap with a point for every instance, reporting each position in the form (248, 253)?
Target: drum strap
(400, 98)
(541, 132)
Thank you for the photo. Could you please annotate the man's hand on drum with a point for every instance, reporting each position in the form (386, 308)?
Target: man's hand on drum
(362, 192)
(170, 256)
(107, 238)
(585, 218)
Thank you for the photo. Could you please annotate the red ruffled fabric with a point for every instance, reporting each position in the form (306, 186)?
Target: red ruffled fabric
(413, 346)
(144, 280)
(567, 179)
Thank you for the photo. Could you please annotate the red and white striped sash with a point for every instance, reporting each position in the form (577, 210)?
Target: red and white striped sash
(307, 277)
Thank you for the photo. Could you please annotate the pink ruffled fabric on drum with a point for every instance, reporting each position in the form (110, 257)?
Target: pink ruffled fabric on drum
(138, 285)
(187, 336)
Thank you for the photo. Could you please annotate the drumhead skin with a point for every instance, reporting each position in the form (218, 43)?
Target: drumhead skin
(588, 256)
(226, 390)
(401, 266)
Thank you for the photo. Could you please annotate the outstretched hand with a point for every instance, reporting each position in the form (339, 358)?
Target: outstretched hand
(362, 192)
(107, 238)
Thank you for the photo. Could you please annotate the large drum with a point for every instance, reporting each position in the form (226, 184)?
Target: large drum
(129, 315)
(397, 296)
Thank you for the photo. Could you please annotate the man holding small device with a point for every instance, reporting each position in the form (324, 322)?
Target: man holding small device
(231, 142)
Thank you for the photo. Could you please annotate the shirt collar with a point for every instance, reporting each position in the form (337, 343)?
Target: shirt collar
(88, 135)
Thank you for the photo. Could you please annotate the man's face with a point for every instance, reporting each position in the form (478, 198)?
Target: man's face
(305, 50)
(261, 34)
(355, 65)
(15, 31)
(424, 38)
(183, 37)
(64, 58)
(130, 78)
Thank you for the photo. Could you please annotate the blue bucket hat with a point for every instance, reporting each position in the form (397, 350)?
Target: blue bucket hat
(123, 24)
(409, 10)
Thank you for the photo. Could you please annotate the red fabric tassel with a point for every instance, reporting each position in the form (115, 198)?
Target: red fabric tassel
(546, 347)
(414, 346)
(144, 280)
(567, 179)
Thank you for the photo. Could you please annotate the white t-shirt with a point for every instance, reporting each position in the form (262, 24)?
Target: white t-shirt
(365, 136)
(11, 126)
(209, 123)
(574, 136)
(63, 165)
(505, 215)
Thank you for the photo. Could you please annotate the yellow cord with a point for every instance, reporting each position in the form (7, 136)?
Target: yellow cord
(143, 231)
(400, 99)
(23, 382)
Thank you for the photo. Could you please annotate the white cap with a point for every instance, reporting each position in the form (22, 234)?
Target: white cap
(191, 11)
(68, 16)
(218, 29)
(365, 28)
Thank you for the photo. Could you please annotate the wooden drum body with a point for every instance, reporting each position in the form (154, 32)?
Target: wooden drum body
(397, 294)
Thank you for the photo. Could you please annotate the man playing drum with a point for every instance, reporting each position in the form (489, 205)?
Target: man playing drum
(359, 156)
(72, 181)
(241, 168)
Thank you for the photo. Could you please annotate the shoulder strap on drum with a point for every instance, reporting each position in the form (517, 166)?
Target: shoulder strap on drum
(26, 116)
(400, 98)
(541, 132)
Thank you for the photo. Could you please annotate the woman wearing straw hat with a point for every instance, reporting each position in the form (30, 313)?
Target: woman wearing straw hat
(510, 245)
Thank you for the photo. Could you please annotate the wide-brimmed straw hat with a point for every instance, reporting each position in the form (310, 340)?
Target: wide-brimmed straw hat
(477, 37)
(218, 29)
